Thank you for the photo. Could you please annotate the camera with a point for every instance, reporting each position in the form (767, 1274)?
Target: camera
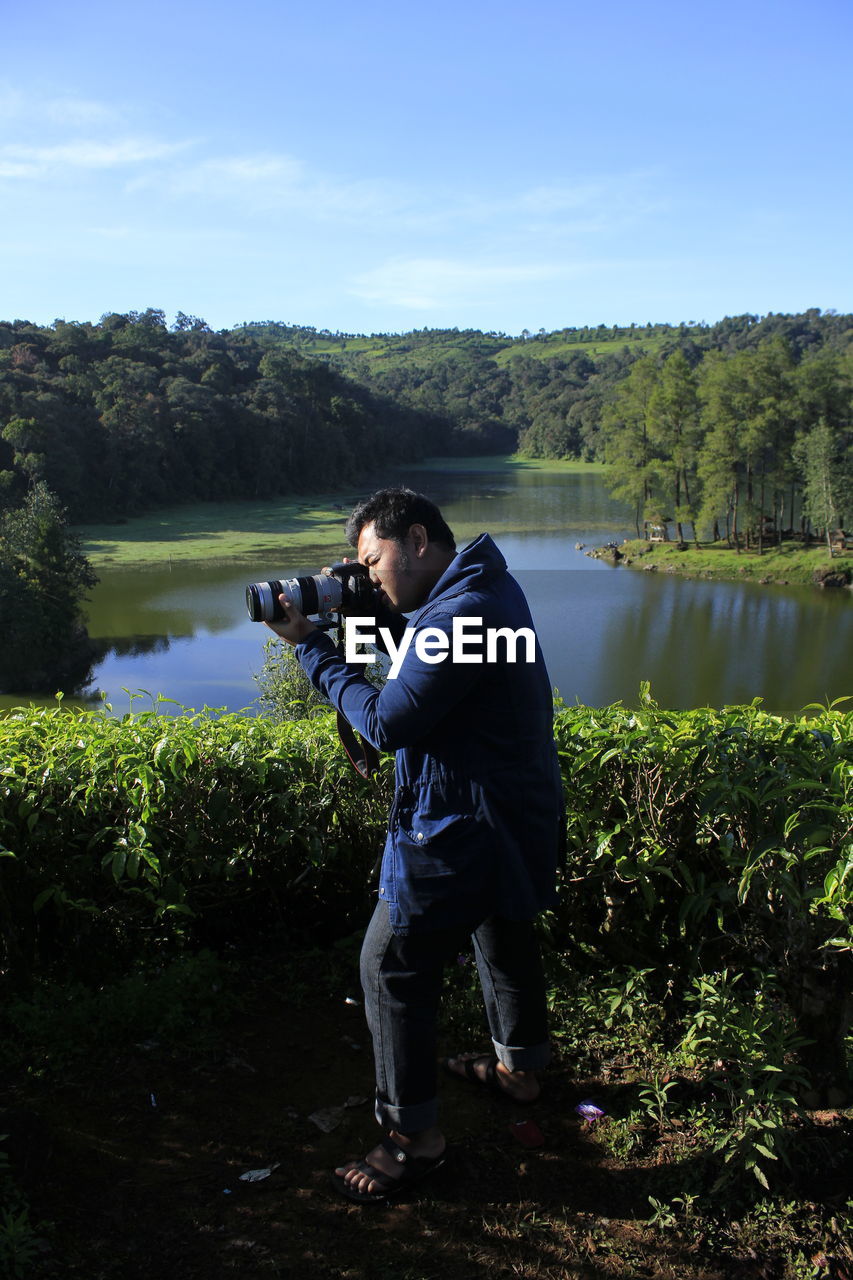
(317, 595)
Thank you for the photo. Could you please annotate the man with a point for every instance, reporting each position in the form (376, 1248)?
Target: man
(474, 827)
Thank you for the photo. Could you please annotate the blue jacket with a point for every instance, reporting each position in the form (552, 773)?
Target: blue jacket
(476, 821)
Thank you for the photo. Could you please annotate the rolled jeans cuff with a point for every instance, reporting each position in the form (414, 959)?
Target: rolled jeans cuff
(408, 1119)
(532, 1058)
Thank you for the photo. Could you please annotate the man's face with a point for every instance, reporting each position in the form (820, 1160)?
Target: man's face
(395, 569)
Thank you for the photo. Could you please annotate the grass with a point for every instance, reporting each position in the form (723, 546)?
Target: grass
(788, 563)
(220, 530)
(560, 347)
(389, 351)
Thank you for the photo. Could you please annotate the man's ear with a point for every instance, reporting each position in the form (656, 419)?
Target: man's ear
(420, 539)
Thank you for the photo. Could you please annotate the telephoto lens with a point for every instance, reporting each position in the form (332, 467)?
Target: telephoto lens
(314, 595)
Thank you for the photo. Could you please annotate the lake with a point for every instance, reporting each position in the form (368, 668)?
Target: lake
(181, 629)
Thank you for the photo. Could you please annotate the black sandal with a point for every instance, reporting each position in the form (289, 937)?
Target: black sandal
(488, 1081)
(414, 1168)
(491, 1079)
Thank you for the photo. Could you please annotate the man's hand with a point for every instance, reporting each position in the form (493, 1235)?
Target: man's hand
(294, 627)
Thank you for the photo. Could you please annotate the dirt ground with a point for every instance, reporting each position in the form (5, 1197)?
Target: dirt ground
(134, 1169)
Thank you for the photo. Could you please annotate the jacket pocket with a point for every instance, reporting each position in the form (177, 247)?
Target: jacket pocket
(426, 830)
(439, 814)
(442, 856)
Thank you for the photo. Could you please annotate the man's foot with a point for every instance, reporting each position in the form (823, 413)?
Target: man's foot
(486, 1069)
(397, 1162)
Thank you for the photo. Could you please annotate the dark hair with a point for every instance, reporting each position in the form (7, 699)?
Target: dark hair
(394, 511)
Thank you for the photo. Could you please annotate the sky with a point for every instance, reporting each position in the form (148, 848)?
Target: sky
(378, 166)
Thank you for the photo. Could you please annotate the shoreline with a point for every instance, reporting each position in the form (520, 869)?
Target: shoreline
(313, 523)
(788, 564)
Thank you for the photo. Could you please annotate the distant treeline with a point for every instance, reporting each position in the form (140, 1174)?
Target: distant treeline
(740, 429)
(545, 391)
(127, 414)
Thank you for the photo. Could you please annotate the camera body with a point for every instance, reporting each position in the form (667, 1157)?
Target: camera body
(319, 596)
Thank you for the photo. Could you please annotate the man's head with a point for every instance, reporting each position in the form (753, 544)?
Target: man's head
(404, 540)
(394, 511)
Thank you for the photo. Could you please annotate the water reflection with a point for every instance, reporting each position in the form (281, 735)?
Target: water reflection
(524, 503)
(133, 646)
(702, 643)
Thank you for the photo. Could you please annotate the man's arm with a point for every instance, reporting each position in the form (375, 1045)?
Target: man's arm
(407, 706)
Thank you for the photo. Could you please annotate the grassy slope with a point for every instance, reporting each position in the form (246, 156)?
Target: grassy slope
(789, 563)
(389, 351)
(225, 530)
(561, 348)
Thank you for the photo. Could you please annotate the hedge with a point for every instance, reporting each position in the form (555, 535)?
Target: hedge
(697, 840)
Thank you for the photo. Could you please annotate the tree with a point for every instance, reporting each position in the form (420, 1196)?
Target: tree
(137, 443)
(673, 422)
(768, 433)
(823, 385)
(823, 479)
(284, 690)
(25, 436)
(625, 428)
(723, 392)
(192, 324)
(44, 578)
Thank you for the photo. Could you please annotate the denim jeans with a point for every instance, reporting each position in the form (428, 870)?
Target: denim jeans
(402, 977)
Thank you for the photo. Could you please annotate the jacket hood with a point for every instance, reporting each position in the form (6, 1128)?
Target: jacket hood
(473, 566)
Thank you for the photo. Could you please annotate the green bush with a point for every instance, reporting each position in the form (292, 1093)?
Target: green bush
(284, 690)
(121, 836)
(704, 840)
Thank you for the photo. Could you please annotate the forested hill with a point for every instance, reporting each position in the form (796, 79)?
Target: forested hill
(544, 392)
(129, 414)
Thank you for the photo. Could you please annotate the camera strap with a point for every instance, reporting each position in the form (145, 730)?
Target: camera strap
(363, 757)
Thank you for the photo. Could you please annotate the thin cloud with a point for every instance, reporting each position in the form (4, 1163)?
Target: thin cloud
(605, 205)
(66, 111)
(620, 189)
(266, 181)
(255, 185)
(423, 283)
(249, 177)
(79, 113)
(17, 160)
(255, 170)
